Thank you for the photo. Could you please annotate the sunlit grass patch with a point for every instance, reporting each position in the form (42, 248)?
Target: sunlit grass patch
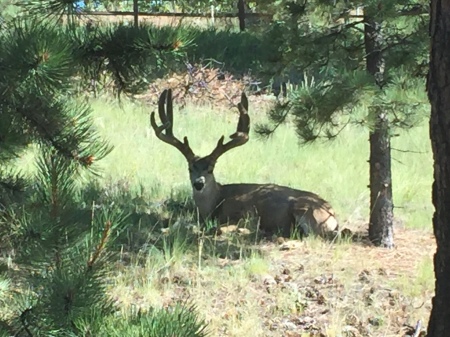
(337, 170)
(256, 266)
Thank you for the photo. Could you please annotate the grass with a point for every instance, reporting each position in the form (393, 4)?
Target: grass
(312, 286)
(299, 288)
(338, 171)
(422, 281)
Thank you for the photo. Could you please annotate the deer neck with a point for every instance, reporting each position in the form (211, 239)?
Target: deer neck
(207, 199)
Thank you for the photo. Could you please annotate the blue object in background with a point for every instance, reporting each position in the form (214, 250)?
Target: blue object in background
(81, 5)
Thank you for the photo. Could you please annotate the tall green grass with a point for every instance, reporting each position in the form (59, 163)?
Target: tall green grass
(336, 170)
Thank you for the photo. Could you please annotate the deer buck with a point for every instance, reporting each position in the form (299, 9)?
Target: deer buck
(279, 209)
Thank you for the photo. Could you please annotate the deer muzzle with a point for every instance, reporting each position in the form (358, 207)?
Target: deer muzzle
(199, 183)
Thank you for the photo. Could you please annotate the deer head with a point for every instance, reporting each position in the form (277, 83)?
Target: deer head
(201, 169)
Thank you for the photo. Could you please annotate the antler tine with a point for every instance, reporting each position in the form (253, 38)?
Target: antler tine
(165, 131)
(244, 101)
(240, 137)
(244, 119)
(170, 111)
(161, 111)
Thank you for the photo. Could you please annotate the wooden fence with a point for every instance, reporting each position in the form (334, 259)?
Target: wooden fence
(222, 20)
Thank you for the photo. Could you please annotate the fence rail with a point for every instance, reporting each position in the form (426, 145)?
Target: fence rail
(179, 15)
(227, 20)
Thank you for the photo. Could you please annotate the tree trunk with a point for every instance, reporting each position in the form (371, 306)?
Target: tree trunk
(439, 96)
(136, 13)
(381, 208)
(241, 14)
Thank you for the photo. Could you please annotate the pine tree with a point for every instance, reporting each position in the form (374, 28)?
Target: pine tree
(62, 246)
(362, 65)
(43, 65)
(36, 71)
(65, 259)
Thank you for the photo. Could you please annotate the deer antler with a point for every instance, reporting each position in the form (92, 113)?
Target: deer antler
(165, 131)
(240, 137)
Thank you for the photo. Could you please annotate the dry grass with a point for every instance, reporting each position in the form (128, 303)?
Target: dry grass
(309, 288)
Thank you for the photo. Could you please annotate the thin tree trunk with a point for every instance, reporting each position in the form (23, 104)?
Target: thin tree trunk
(136, 13)
(381, 206)
(212, 15)
(241, 14)
(439, 96)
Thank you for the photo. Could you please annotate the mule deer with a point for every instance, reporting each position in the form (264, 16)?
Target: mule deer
(278, 208)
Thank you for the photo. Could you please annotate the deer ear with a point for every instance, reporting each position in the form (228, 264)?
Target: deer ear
(211, 168)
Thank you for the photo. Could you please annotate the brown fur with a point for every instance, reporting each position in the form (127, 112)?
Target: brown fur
(278, 208)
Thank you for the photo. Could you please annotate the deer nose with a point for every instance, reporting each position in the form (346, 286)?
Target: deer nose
(199, 183)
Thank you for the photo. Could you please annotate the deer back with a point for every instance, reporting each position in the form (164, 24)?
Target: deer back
(277, 208)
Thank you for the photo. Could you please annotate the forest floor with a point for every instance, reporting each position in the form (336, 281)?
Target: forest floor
(293, 288)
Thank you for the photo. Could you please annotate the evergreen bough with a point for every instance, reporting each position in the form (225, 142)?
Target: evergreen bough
(60, 245)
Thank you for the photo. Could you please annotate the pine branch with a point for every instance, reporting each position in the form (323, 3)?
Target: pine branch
(334, 31)
(11, 182)
(408, 151)
(399, 42)
(101, 245)
(278, 119)
(415, 10)
(23, 321)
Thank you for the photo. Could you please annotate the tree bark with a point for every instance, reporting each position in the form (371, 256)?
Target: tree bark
(439, 95)
(241, 14)
(136, 13)
(381, 231)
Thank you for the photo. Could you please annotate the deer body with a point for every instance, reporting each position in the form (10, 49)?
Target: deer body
(277, 208)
